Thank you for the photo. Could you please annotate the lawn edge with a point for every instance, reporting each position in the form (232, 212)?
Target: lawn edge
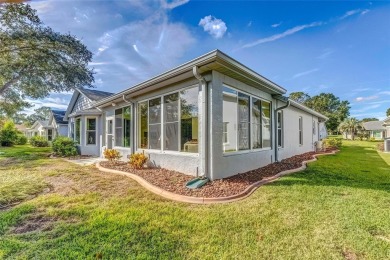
(204, 200)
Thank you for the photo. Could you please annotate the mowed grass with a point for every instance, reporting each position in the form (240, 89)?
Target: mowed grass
(338, 208)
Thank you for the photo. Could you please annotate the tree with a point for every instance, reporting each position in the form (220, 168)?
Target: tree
(8, 134)
(41, 113)
(369, 119)
(300, 97)
(35, 60)
(350, 125)
(388, 112)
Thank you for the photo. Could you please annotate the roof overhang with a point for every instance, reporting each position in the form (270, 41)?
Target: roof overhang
(308, 110)
(215, 60)
(91, 112)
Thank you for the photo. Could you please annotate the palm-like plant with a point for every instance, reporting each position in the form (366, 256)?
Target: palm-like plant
(350, 125)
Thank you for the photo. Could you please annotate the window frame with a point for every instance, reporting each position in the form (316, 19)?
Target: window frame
(137, 119)
(87, 131)
(251, 149)
(280, 128)
(75, 130)
(300, 130)
(114, 127)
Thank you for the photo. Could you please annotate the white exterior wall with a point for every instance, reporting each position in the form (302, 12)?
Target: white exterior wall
(83, 147)
(62, 130)
(291, 144)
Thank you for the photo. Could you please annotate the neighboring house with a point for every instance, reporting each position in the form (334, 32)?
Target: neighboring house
(40, 128)
(211, 116)
(21, 128)
(58, 124)
(85, 121)
(376, 129)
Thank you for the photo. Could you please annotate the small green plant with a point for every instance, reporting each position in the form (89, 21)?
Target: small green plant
(21, 139)
(64, 146)
(112, 155)
(372, 139)
(332, 143)
(8, 134)
(138, 160)
(39, 141)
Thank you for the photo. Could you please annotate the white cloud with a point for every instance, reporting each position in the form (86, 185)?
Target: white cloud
(364, 109)
(353, 12)
(360, 99)
(384, 93)
(249, 24)
(173, 4)
(325, 54)
(364, 11)
(215, 27)
(300, 74)
(276, 25)
(282, 35)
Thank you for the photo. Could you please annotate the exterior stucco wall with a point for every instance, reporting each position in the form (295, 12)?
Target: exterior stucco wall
(63, 130)
(291, 144)
(222, 165)
(83, 147)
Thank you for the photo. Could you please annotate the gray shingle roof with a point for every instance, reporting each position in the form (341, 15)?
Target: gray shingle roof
(95, 95)
(58, 116)
(374, 125)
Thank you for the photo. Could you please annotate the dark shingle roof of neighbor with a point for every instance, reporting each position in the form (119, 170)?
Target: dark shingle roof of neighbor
(59, 116)
(374, 125)
(95, 95)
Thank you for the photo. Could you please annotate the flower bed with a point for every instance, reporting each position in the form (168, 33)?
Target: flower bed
(175, 181)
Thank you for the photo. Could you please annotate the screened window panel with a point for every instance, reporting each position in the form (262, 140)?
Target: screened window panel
(266, 123)
(155, 136)
(229, 114)
(171, 108)
(126, 126)
(91, 124)
(256, 123)
(243, 118)
(49, 134)
(280, 129)
(118, 127)
(171, 140)
(155, 111)
(91, 137)
(77, 130)
(300, 131)
(143, 125)
(91, 131)
(189, 120)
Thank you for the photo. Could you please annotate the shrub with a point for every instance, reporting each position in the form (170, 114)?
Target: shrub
(332, 143)
(138, 160)
(380, 147)
(372, 139)
(8, 134)
(64, 146)
(112, 155)
(39, 141)
(21, 139)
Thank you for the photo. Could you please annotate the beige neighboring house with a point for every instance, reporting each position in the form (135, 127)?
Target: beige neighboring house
(386, 124)
(377, 129)
(21, 128)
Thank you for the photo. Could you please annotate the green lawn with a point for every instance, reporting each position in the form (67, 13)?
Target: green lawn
(338, 208)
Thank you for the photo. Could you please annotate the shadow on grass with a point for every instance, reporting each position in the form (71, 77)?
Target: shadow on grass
(354, 166)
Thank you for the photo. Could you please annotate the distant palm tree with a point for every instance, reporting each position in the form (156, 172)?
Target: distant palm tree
(350, 125)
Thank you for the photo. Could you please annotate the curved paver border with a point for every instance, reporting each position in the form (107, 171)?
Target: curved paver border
(203, 200)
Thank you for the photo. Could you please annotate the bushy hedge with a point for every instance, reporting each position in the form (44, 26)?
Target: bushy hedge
(21, 139)
(332, 143)
(64, 146)
(8, 134)
(39, 141)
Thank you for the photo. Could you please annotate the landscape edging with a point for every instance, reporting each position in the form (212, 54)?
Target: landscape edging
(204, 200)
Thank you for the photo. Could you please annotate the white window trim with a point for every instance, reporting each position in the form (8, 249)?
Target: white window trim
(238, 152)
(75, 123)
(280, 113)
(300, 130)
(86, 130)
(114, 127)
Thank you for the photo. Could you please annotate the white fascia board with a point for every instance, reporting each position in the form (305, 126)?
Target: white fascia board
(306, 109)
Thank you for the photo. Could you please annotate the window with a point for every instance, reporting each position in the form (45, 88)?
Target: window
(314, 127)
(143, 125)
(256, 123)
(178, 114)
(280, 128)
(171, 122)
(189, 120)
(266, 123)
(155, 123)
(122, 126)
(300, 131)
(49, 134)
(246, 121)
(91, 131)
(229, 114)
(77, 130)
(72, 130)
(225, 132)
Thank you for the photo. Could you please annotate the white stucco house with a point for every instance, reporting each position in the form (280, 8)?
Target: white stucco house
(57, 123)
(40, 128)
(211, 116)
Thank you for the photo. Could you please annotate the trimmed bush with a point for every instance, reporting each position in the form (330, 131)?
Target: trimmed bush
(39, 141)
(380, 147)
(21, 139)
(112, 155)
(332, 143)
(64, 146)
(8, 134)
(138, 160)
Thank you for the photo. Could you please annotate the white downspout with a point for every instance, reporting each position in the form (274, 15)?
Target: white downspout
(204, 128)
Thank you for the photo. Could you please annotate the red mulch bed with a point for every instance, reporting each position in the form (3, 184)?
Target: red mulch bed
(175, 181)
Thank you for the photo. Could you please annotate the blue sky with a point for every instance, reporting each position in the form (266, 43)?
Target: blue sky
(342, 47)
